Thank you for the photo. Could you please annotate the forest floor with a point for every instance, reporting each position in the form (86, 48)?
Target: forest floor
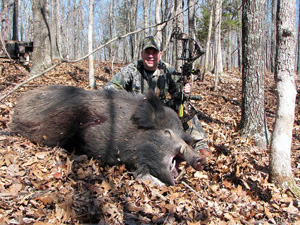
(42, 185)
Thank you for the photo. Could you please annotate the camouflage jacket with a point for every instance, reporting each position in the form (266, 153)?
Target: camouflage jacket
(135, 78)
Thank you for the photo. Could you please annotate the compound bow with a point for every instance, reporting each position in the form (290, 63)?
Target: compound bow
(191, 51)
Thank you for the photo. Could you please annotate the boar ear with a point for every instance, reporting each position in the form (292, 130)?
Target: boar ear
(149, 111)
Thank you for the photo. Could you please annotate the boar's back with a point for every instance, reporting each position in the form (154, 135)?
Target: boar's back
(64, 116)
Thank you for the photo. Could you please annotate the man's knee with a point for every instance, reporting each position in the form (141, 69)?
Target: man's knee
(194, 128)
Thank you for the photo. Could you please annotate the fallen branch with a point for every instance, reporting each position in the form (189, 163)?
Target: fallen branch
(200, 198)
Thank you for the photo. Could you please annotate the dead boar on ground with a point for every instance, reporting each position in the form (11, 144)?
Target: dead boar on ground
(113, 126)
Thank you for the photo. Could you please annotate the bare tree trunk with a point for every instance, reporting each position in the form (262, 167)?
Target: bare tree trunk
(23, 19)
(218, 68)
(15, 21)
(191, 21)
(207, 51)
(167, 11)
(298, 45)
(158, 19)
(280, 156)
(41, 41)
(266, 37)
(81, 40)
(253, 109)
(229, 51)
(92, 82)
(7, 20)
(66, 33)
(273, 36)
(126, 46)
(191, 18)
(78, 27)
(75, 30)
(133, 27)
(111, 28)
(145, 16)
(239, 43)
(150, 15)
(55, 30)
(178, 7)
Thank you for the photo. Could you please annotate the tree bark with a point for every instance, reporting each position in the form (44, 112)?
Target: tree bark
(273, 36)
(167, 11)
(207, 51)
(218, 67)
(92, 82)
(55, 30)
(253, 109)
(280, 156)
(239, 43)
(150, 15)
(298, 44)
(229, 51)
(191, 18)
(158, 19)
(111, 25)
(145, 16)
(267, 37)
(41, 42)
(82, 43)
(178, 6)
(133, 27)
(15, 21)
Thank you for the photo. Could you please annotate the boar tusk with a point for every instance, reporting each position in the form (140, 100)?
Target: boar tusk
(173, 165)
(182, 149)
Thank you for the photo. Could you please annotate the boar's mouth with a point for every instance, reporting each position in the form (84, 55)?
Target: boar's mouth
(174, 163)
(192, 159)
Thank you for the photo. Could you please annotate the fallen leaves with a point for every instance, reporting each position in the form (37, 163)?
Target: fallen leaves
(42, 186)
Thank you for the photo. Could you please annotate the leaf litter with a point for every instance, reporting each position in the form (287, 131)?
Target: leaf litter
(41, 185)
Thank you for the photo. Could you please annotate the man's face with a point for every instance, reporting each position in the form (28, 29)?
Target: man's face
(151, 57)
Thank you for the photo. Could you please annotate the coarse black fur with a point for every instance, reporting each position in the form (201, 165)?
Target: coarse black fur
(115, 126)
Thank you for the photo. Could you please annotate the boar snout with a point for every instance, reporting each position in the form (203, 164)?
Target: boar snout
(199, 163)
(192, 158)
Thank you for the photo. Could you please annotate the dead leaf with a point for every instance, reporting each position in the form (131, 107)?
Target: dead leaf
(15, 188)
(48, 198)
(131, 207)
(41, 155)
(106, 186)
(9, 159)
(42, 223)
(200, 175)
(291, 209)
(57, 175)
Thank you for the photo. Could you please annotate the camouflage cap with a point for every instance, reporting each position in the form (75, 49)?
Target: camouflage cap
(151, 42)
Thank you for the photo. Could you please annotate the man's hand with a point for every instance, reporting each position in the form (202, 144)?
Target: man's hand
(187, 88)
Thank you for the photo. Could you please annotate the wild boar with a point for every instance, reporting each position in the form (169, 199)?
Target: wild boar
(114, 126)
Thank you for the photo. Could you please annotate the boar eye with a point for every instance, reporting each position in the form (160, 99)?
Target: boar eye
(167, 132)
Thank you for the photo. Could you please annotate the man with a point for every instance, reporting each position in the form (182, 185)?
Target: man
(152, 73)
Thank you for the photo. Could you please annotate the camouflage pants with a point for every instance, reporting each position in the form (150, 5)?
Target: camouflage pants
(196, 131)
